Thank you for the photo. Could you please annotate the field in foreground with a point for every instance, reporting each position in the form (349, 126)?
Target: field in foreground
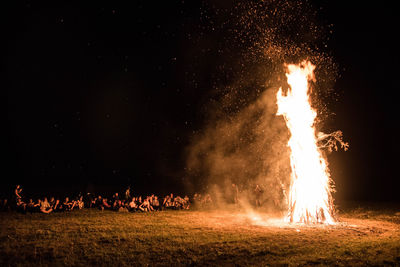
(364, 236)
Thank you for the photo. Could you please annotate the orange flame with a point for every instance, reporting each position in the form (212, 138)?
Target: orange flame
(310, 198)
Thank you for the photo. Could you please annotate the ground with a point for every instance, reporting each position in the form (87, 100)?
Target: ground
(363, 236)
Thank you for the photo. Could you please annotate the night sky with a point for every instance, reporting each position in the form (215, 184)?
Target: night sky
(106, 95)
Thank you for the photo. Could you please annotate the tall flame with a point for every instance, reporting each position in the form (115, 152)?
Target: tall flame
(310, 193)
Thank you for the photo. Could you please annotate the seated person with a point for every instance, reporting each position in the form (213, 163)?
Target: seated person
(168, 202)
(105, 203)
(177, 202)
(93, 202)
(99, 203)
(156, 203)
(115, 197)
(132, 206)
(80, 203)
(74, 204)
(116, 205)
(20, 205)
(45, 206)
(57, 206)
(186, 203)
(145, 206)
(52, 202)
(149, 206)
(68, 205)
(122, 206)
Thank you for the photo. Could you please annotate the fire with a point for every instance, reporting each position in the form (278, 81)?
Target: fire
(310, 198)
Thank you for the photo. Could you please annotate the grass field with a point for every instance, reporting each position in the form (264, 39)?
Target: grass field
(364, 236)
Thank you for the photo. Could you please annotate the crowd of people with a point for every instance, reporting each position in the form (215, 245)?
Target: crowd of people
(126, 203)
(129, 203)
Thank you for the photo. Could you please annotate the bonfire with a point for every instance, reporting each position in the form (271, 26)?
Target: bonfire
(310, 195)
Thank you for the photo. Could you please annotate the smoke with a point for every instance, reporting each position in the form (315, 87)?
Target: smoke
(246, 148)
(242, 141)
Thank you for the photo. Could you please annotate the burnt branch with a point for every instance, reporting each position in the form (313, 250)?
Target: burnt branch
(331, 141)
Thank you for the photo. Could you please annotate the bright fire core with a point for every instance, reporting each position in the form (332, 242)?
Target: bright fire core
(310, 198)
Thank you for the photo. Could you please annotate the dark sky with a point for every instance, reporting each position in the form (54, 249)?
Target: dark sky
(364, 45)
(110, 94)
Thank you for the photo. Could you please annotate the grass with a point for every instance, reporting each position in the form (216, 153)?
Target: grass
(214, 238)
